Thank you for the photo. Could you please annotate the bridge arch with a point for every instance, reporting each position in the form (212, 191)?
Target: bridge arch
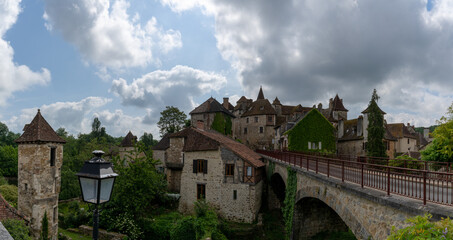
(317, 210)
(278, 187)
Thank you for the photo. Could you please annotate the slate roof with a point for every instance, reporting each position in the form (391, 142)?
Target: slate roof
(398, 130)
(367, 110)
(350, 131)
(276, 101)
(163, 144)
(260, 94)
(129, 140)
(204, 140)
(211, 106)
(39, 131)
(337, 104)
(260, 107)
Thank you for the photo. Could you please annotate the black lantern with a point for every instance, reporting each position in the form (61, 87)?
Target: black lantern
(96, 180)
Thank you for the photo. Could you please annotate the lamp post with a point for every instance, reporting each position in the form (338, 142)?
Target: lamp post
(96, 180)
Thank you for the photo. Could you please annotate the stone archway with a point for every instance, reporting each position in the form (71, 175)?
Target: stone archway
(312, 216)
(277, 191)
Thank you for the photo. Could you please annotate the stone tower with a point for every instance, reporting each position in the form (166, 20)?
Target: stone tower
(40, 156)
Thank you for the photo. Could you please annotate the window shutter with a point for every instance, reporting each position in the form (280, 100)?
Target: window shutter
(205, 166)
(194, 166)
(319, 145)
(309, 145)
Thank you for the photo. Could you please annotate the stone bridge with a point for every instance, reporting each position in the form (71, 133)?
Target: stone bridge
(328, 204)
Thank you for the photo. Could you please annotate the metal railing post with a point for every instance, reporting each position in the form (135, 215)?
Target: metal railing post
(308, 163)
(362, 173)
(328, 167)
(424, 187)
(388, 180)
(342, 171)
(317, 165)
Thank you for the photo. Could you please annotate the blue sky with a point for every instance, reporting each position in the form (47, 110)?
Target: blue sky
(124, 61)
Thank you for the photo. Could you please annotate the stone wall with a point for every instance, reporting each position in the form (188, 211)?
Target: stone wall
(352, 148)
(207, 119)
(403, 146)
(39, 185)
(174, 152)
(220, 188)
(253, 138)
(103, 235)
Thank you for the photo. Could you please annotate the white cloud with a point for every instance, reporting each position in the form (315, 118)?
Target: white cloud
(106, 35)
(303, 50)
(175, 87)
(14, 77)
(75, 117)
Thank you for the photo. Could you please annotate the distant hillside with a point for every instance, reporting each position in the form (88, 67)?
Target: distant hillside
(431, 129)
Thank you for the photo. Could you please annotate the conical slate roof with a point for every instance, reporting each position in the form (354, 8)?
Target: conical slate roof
(129, 140)
(39, 131)
(211, 106)
(276, 101)
(338, 104)
(260, 94)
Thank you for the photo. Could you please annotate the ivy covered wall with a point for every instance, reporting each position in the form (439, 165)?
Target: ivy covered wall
(222, 123)
(313, 128)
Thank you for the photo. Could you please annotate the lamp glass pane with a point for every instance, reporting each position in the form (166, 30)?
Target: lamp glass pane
(89, 189)
(106, 189)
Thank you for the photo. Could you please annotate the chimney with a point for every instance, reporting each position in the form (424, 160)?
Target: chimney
(225, 103)
(340, 132)
(319, 106)
(200, 124)
(359, 126)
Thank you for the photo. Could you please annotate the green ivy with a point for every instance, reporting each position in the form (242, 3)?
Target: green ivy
(422, 228)
(314, 127)
(270, 171)
(290, 200)
(222, 124)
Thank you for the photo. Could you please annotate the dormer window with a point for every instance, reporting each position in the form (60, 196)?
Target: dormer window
(262, 108)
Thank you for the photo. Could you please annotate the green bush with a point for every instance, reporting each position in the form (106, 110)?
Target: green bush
(405, 161)
(184, 229)
(17, 229)
(206, 221)
(9, 192)
(3, 180)
(422, 228)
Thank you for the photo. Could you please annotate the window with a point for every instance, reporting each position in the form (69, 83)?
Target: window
(408, 141)
(55, 214)
(247, 120)
(229, 169)
(201, 191)
(309, 145)
(249, 171)
(200, 166)
(235, 194)
(261, 129)
(52, 156)
(319, 145)
(256, 119)
(26, 187)
(245, 130)
(269, 118)
(262, 108)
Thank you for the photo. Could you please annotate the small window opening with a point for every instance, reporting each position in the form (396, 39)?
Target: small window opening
(201, 191)
(249, 171)
(55, 214)
(256, 119)
(229, 169)
(52, 156)
(261, 129)
(235, 194)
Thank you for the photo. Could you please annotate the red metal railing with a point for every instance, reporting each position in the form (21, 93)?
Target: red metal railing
(425, 184)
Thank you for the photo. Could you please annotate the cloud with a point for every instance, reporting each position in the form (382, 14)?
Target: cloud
(106, 35)
(14, 77)
(75, 117)
(119, 124)
(176, 87)
(306, 51)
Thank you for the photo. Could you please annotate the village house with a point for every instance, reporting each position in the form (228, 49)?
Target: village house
(203, 116)
(407, 139)
(40, 157)
(169, 151)
(214, 167)
(352, 136)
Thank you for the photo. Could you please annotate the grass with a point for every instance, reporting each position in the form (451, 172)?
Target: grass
(72, 235)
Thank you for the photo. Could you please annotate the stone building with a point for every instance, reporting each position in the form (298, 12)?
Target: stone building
(352, 136)
(203, 115)
(406, 137)
(40, 157)
(169, 152)
(127, 145)
(224, 172)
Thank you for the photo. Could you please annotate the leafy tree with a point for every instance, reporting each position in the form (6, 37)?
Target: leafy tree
(8, 161)
(443, 134)
(17, 229)
(96, 125)
(9, 192)
(62, 132)
(171, 120)
(375, 145)
(7, 137)
(422, 228)
(433, 152)
(148, 141)
(45, 227)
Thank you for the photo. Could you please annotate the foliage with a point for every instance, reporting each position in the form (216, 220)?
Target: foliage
(3, 180)
(8, 161)
(171, 120)
(444, 134)
(148, 141)
(161, 226)
(45, 227)
(422, 129)
(222, 124)
(206, 221)
(405, 161)
(125, 223)
(7, 137)
(314, 127)
(73, 215)
(9, 192)
(62, 132)
(375, 143)
(184, 229)
(17, 229)
(422, 228)
(270, 171)
(290, 199)
(433, 152)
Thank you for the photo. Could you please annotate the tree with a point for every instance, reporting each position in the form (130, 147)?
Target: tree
(17, 229)
(96, 125)
(171, 120)
(375, 145)
(8, 161)
(441, 149)
(45, 227)
(62, 132)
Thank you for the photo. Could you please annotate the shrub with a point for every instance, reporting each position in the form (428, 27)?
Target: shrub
(9, 192)
(124, 223)
(206, 221)
(184, 229)
(17, 229)
(422, 228)
(405, 161)
(3, 181)
(45, 228)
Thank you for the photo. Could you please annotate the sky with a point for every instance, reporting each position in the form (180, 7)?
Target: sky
(125, 61)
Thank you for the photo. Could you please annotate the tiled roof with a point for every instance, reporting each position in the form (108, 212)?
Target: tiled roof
(388, 135)
(129, 140)
(39, 131)
(260, 107)
(337, 104)
(398, 130)
(211, 106)
(163, 144)
(202, 140)
(260, 94)
(276, 101)
(242, 99)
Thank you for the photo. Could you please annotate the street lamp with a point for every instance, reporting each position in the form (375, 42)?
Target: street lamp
(96, 180)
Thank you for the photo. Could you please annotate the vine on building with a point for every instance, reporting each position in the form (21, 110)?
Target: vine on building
(290, 200)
